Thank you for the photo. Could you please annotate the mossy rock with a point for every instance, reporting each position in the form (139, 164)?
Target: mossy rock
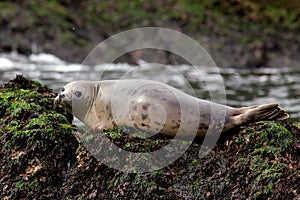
(41, 159)
(260, 161)
(36, 141)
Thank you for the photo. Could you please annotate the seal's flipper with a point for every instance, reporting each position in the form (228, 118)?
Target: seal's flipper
(270, 111)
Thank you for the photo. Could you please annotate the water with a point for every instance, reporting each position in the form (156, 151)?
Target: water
(243, 87)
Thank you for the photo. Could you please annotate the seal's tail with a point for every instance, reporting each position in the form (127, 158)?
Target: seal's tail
(270, 111)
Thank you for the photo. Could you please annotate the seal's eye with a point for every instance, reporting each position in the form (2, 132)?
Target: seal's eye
(62, 89)
(78, 94)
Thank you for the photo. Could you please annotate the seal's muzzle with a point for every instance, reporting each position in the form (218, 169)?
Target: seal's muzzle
(62, 100)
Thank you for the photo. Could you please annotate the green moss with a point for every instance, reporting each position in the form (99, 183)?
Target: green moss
(267, 144)
(115, 133)
(33, 134)
(297, 124)
(267, 175)
(30, 118)
(254, 163)
(24, 185)
(265, 134)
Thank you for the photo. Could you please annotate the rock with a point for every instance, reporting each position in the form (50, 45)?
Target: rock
(36, 141)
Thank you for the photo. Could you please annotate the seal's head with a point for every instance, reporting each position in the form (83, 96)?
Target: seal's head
(74, 95)
(65, 97)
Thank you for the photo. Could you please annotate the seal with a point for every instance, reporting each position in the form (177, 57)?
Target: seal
(155, 108)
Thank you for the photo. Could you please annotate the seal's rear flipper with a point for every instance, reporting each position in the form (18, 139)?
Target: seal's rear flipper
(270, 111)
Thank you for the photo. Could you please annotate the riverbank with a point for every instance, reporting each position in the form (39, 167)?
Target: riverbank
(41, 158)
(235, 33)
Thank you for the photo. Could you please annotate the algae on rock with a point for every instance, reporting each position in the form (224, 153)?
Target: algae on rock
(36, 140)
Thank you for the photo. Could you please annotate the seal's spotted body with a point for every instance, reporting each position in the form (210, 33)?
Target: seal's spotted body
(155, 107)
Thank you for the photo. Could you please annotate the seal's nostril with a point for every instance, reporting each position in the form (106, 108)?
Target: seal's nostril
(61, 96)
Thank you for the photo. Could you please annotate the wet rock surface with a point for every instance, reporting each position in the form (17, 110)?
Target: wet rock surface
(41, 158)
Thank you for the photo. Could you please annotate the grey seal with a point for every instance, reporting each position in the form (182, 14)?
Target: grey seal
(155, 107)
